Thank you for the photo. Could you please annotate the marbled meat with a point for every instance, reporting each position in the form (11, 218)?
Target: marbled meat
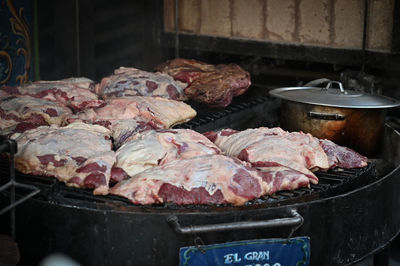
(343, 157)
(128, 116)
(209, 179)
(20, 112)
(158, 147)
(79, 155)
(264, 147)
(128, 81)
(75, 93)
(212, 85)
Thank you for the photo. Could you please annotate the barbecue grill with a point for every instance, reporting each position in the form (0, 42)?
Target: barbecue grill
(109, 230)
(349, 215)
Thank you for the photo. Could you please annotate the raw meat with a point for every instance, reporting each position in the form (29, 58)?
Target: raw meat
(209, 84)
(19, 113)
(73, 92)
(127, 116)
(283, 178)
(157, 147)
(134, 82)
(264, 147)
(208, 179)
(79, 155)
(339, 156)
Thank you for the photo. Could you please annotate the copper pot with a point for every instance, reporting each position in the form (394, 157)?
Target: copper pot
(348, 118)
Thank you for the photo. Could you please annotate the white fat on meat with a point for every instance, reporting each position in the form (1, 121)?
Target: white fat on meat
(128, 81)
(79, 155)
(157, 147)
(200, 180)
(273, 147)
(74, 92)
(17, 109)
(127, 116)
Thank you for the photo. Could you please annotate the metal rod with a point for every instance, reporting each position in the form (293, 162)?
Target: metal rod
(12, 193)
(365, 32)
(295, 221)
(78, 52)
(176, 28)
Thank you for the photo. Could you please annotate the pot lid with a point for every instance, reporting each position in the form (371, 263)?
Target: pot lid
(335, 97)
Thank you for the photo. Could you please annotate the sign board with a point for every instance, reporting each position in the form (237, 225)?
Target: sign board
(260, 252)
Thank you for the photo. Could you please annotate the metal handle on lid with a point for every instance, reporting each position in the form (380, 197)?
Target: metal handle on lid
(295, 221)
(329, 85)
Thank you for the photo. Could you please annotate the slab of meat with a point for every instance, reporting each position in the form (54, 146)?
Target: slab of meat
(208, 84)
(264, 147)
(185, 70)
(75, 93)
(209, 179)
(79, 155)
(157, 147)
(135, 82)
(283, 178)
(19, 113)
(342, 157)
(127, 116)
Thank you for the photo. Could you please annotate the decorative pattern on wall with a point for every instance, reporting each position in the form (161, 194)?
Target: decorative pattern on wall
(15, 42)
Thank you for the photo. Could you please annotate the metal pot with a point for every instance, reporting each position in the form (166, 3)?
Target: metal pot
(350, 118)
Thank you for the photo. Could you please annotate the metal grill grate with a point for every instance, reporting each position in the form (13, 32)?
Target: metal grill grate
(333, 182)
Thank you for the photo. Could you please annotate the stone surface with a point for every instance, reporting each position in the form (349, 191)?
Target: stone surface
(189, 16)
(281, 20)
(380, 24)
(348, 23)
(314, 22)
(216, 18)
(248, 18)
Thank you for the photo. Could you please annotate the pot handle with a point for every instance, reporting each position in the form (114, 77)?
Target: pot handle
(326, 116)
(316, 82)
(329, 85)
(295, 221)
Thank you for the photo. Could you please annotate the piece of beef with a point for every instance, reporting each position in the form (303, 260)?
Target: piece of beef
(342, 157)
(75, 93)
(209, 179)
(212, 85)
(135, 82)
(264, 147)
(283, 178)
(79, 155)
(128, 116)
(185, 70)
(20, 112)
(157, 147)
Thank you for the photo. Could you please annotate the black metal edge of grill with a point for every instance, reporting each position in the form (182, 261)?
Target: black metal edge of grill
(334, 182)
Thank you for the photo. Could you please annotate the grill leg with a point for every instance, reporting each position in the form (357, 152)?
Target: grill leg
(382, 258)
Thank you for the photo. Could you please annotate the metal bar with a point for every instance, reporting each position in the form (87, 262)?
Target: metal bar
(16, 203)
(176, 28)
(78, 52)
(365, 32)
(12, 192)
(295, 221)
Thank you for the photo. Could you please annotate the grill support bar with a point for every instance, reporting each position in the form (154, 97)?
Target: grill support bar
(295, 221)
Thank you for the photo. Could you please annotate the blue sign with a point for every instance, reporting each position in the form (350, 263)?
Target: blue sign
(261, 252)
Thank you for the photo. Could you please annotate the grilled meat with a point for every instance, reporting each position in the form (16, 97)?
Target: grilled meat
(212, 85)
